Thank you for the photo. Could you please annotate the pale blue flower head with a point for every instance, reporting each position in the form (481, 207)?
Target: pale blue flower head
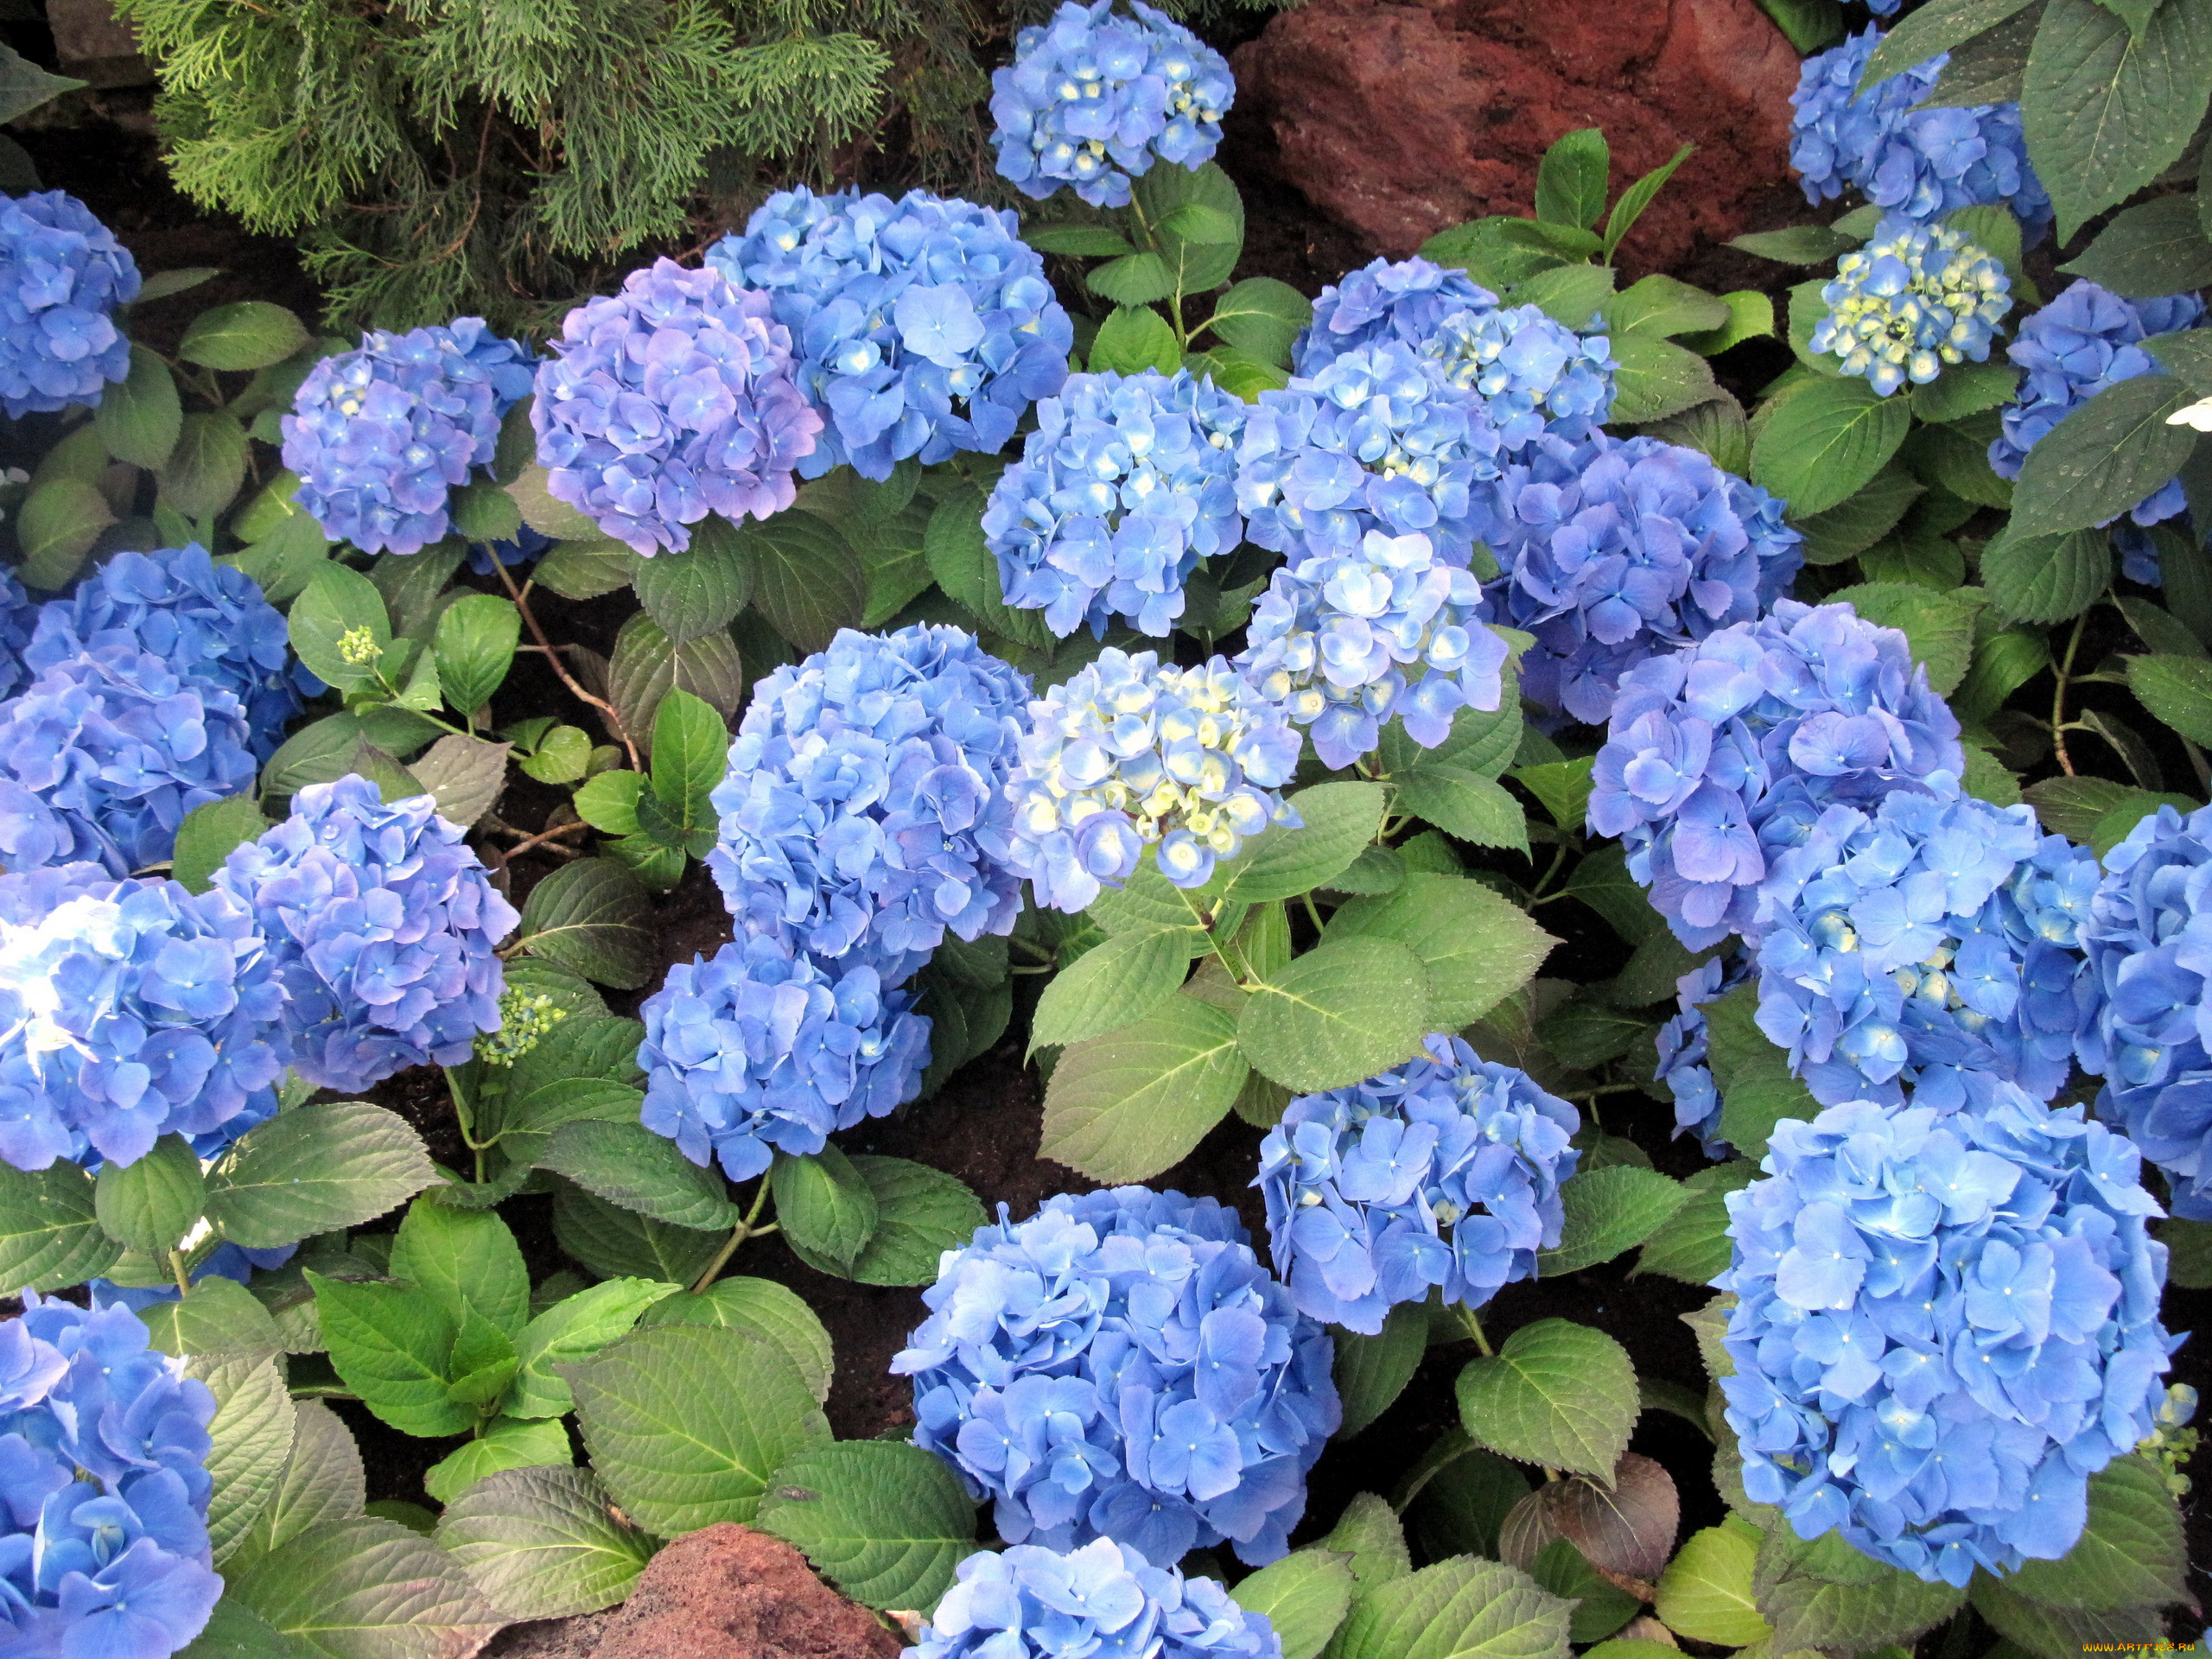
(1535, 376)
(1127, 483)
(1133, 755)
(62, 275)
(1347, 642)
(381, 436)
(1684, 1043)
(1442, 1172)
(864, 812)
(921, 326)
(1944, 1325)
(129, 1010)
(1104, 1601)
(1121, 1366)
(384, 930)
(1914, 301)
(764, 1049)
(1093, 98)
(1402, 301)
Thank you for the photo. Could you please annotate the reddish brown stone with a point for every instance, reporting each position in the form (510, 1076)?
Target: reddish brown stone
(1401, 117)
(729, 1592)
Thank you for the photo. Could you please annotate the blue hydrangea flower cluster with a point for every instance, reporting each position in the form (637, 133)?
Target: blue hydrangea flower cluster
(62, 275)
(1611, 548)
(1132, 752)
(1722, 755)
(766, 1050)
(1533, 375)
(922, 326)
(1370, 442)
(103, 754)
(1348, 641)
(205, 620)
(670, 400)
(2086, 340)
(1173, 1396)
(1921, 163)
(1945, 1325)
(1127, 483)
(1093, 98)
(1442, 1172)
(1105, 1601)
(382, 928)
(1930, 937)
(865, 808)
(381, 436)
(18, 616)
(1684, 1042)
(103, 1553)
(128, 1010)
(1914, 300)
(1384, 300)
(2149, 942)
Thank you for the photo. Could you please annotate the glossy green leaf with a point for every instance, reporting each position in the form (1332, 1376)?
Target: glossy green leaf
(150, 1205)
(1609, 1211)
(1477, 946)
(543, 1542)
(1340, 820)
(314, 1169)
(883, 1520)
(825, 1205)
(249, 334)
(1126, 1105)
(1555, 1393)
(1825, 441)
(593, 918)
(1343, 1011)
(1458, 1608)
(367, 1588)
(1304, 1597)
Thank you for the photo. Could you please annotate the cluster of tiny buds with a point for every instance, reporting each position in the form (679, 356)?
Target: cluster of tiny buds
(525, 1018)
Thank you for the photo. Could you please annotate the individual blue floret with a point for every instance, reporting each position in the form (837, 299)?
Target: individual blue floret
(1120, 1365)
(1921, 163)
(1444, 1171)
(104, 1547)
(1720, 756)
(129, 1010)
(384, 931)
(1610, 548)
(1945, 1325)
(1092, 98)
(382, 434)
(922, 326)
(62, 275)
(1346, 642)
(1127, 483)
(1684, 1042)
(1105, 1601)
(2086, 340)
(865, 808)
(765, 1050)
(103, 754)
(673, 399)
(1371, 441)
(18, 616)
(1385, 301)
(1132, 753)
(1928, 937)
(1915, 300)
(205, 620)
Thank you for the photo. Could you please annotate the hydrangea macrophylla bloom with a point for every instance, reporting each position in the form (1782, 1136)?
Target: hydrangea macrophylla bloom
(766, 1050)
(1400, 301)
(1092, 98)
(1913, 301)
(1131, 753)
(18, 616)
(1348, 641)
(62, 274)
(1612, 548)
(2086, 340)
(1921, 163)
(1370, 442)
(1128, 482)
(128, 1010)
(1684, 1042)
(670, 400)
(104, 1549)
(382, 434)
(382, 929)
(1723, 754)
(1533, 375)
(1930, 936)
(865, 808)
(208, 622)
(1945, 1325)
(1181, 1404)
(1444, 1171)
(2149, 940)
(923, 327)
(103, 755)
(1105, 1600)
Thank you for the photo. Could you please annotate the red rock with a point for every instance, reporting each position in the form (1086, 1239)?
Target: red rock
(1402, 117)
(729, 1592)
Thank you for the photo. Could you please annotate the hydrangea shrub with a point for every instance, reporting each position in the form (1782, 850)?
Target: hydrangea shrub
(1103, 1600)
(62, 276)
(1916, 299)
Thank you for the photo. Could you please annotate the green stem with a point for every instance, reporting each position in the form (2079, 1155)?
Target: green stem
(1312, 911)
(1474, 1328)
(1545, 880)
(2058, 722)
(178, 1273)
(738, 1234)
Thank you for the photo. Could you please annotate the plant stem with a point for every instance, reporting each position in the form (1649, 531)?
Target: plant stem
(2058, 722)
(500, 860)
(1474, 1328)
(738, 1234)
(1545, 880)
(177, 1272)
(529, 621)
